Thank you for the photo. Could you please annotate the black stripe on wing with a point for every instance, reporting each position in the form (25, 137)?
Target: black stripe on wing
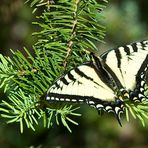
(102, 73)
(126, 49)
(64, 81)
(135, 46)
(118, 56)
(117, 82)
(71, 77)
(82, 74)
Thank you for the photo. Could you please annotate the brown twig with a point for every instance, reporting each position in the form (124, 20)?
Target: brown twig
(73, 34)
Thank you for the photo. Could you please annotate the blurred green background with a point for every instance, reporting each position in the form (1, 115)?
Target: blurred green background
(126, 21)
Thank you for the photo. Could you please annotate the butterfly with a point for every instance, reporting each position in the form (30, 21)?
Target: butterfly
(106, 80)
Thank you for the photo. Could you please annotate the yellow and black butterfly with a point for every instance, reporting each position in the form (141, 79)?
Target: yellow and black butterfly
(103, 81)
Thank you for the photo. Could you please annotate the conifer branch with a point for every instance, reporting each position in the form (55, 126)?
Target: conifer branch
(26, 78)
(67, 30)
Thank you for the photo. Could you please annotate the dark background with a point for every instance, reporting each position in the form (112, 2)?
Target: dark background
(126, 21)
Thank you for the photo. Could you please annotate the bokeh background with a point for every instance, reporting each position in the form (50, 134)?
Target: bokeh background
(126, 21)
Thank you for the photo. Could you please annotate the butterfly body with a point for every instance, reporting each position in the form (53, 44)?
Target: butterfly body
(105, 81)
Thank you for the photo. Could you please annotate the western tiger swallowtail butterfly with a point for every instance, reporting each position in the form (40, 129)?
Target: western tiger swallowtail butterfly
(104, 81)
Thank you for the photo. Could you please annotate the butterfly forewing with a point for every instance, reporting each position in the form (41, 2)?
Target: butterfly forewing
(81, 82)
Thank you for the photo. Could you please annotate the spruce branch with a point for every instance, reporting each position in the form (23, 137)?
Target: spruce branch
(26, 78)
(67, 30)
(60, 113)
(22, 109)
(137, 110)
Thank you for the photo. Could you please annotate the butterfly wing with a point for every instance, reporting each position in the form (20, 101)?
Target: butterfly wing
(83, 84)
(129, 64)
